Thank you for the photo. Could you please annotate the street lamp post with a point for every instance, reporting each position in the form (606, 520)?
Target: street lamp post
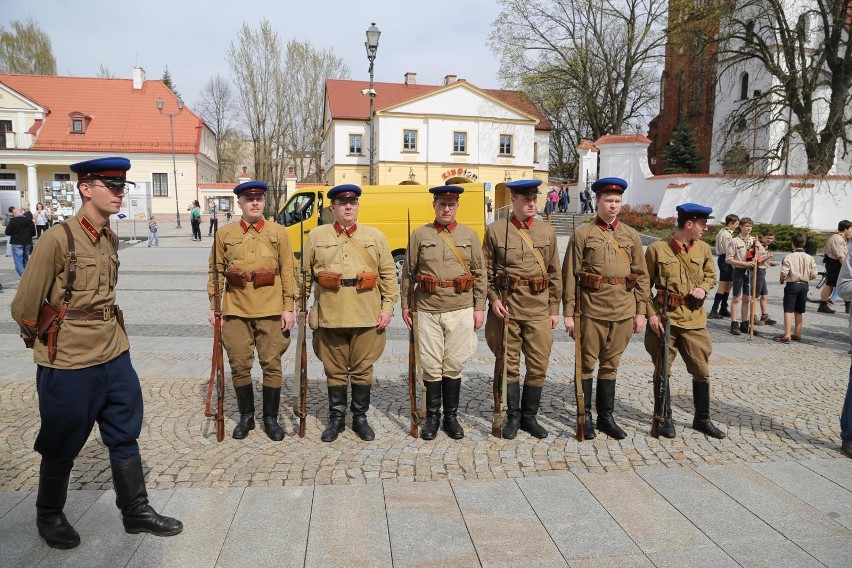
(372, 45)
(160, 104)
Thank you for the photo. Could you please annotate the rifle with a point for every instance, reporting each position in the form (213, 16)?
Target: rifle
(579, 395)
(500, 371)
(217, 369)
(662, 392)
(300, 377)
(414, 429)
(752, 310)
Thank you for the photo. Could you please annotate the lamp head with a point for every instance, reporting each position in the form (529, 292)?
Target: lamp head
(160, 103)
(369, 93)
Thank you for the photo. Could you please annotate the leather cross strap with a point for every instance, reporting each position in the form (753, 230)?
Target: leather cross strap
(362, 251)
(689, 273)
(459, 256)
(526, 238)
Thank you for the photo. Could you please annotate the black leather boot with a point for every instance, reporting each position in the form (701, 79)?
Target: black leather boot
(823, 308)
(513, 411)
(589, 422)
(429, 428)
(451, 390)
(701, 421)
(132, 498)
(271, 402)
(530, 401)
(360, 405)
(336, 414)
(245, 402)
(52, 525)
(606, 404)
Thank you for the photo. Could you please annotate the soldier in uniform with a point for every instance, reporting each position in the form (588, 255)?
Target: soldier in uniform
(356, 289)
(687, 262)
(726, 271)
(84, 373)
(525, 252)
(613, 292)
(450, 276)
(254, 261)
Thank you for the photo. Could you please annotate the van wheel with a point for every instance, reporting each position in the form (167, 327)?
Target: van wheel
(398, 259)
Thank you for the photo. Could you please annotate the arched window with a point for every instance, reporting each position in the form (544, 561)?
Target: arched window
(744, 87)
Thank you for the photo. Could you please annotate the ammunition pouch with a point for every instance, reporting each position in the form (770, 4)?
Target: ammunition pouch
(538, 284)
(427, 282)
(514, 283)
(592, 281)
(674, 300)
(264, 278)
(463, 283)
(330, 280)
(366, 280)
(631, 281)
(313, 317)
(237, 278)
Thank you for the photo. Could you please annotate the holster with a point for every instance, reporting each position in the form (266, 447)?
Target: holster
(427, 282)
(48, 329)
(366, 280)
(330, 280)
(463, 283)
(264, 278)
(675, 300)
(538, 284)
(631, 281)
(237, 278)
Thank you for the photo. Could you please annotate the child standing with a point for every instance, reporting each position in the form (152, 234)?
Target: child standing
(767, 236)
(152, 233)
(726, 271)
(797, 270)
(740, 254)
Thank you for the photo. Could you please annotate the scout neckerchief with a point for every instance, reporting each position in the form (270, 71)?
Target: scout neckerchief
(526, 238)
(444, 233)
(678, 249)
(609, 238)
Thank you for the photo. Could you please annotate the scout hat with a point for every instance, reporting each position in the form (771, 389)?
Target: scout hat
(254, 187)
(105, 169)
(526, 187)
(613, 184)
(694, 211)
(345, 190)
(446, 191)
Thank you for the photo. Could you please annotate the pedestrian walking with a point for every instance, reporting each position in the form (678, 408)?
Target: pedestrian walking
(255, 260)
(195, 220)
(356, 290)
(797, 269)
(551, 203)
(20, 231)
(445, 265)
(614, 287)
(564, 200)
(214, 219)
(834, 254)
(726, 271)
(153, 230)
(42, 219)
(84, 374)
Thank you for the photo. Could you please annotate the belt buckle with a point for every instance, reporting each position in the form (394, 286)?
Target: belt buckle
(107, 313)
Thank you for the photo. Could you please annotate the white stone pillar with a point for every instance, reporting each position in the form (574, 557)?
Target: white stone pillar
(32, 186)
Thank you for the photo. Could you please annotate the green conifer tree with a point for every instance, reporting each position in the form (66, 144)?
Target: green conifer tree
(681, 154)
(167, 79)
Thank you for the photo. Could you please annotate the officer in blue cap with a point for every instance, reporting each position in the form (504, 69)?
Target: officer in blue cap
(356, 289)
(255, 261)
(525, 287)
(449, 305)
(687, 263)
(84, 373)
(608, 258)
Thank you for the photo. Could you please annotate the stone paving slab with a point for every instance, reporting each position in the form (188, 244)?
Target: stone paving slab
(838, 471)
(774, 554)
(834, 552)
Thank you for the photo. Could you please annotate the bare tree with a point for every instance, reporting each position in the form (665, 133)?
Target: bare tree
(217, 105)
(789, 70)
(104, 72)
(602, 56)
(25, 48)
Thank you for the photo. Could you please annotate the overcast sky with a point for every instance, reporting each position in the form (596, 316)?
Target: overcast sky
(432, 38)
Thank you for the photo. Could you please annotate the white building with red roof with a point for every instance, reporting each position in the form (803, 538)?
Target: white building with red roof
(49, 122)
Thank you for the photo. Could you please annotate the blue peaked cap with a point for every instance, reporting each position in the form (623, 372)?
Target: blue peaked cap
(446, 190)
(251, 187)
(694, 211)
(344, 190)
(526, 187)
(115, 167)
(609, 184)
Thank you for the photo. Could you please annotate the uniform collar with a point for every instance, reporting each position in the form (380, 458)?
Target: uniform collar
(449, 228)
(257, 226)
(340, 230)
(92, 231)
(606, 226)
(521, 224)
(678, 247)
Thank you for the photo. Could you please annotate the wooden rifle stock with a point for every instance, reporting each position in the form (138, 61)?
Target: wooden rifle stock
(578, 350)
(752, 310)
(662, 394)
(500, 371)
(414, 428)
(300, 398)
(217, 368)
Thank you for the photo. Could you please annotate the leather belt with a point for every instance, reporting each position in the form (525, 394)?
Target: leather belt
(613, 281)
(104, 314)
(445, 283)
(520, 281)
(348, 282)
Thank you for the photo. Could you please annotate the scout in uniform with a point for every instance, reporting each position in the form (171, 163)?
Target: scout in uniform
(450, 276)
(255, 261)
(613, 291)
(687, 262)
(740, 255)
(765, 256)
(834, 255)
(65, 306)
(797, 269)
(726, 271)
(524, 257)
(355, 292)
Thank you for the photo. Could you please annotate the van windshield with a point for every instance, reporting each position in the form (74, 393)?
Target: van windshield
(300, 208)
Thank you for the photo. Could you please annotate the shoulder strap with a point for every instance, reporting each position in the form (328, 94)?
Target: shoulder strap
(689, 273)
(72, 263)
(611, 241)
(362, 251)
(526, 238)
(459, 256)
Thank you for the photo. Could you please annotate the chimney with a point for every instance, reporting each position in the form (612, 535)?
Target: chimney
(138, 78)
(410, 78)
(450, 79)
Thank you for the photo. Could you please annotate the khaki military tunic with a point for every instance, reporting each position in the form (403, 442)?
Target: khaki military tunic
(81, 343)
(252, 315)
(607, 313)
(687, 266)
(529, 313)
(445, 318)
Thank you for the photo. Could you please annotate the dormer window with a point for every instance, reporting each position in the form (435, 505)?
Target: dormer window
(77, 126)
(79, 122)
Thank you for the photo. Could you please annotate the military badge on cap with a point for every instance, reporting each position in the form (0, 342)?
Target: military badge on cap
(102, 168)
(614, 184)
(694, 211)
(527, 187)
(446, 190)
(254, 187)
(345, 190)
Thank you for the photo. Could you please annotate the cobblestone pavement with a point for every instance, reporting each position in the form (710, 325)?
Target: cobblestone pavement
(776, 402)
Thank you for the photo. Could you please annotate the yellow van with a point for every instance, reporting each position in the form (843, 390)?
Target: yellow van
(385, 207)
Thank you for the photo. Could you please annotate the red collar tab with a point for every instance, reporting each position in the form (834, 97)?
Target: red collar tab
(678, 248)
(93, 232)
(340, 230)
(257, 226)
(449, 228)
(606, 226)
(521, 224)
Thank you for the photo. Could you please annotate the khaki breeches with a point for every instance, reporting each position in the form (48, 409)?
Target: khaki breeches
(603, 342)
(446, 341)
(242, 336)
(348, 353)
(532, 338)
(694, 345)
